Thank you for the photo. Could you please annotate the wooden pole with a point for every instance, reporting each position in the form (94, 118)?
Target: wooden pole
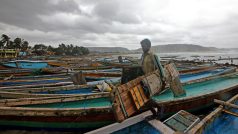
(231, 113)
(226, 104)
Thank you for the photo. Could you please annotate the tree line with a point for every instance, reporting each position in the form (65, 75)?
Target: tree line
(41, 49)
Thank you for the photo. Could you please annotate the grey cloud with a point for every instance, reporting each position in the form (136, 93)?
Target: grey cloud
(108, 23)
(113, 11)
(23, 13)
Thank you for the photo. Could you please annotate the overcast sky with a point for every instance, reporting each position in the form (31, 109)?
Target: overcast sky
(121, 23)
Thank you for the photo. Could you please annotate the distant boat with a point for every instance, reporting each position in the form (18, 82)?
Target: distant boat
(26, 64)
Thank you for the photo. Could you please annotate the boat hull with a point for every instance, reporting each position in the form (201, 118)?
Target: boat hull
(197, 103)
(66, 123)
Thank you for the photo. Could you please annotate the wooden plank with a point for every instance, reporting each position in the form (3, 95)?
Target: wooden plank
(135, 98)
(138, 96)
(132, 97)
(142, 93)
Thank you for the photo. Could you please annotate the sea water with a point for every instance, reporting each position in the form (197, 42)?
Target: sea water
(212, 56)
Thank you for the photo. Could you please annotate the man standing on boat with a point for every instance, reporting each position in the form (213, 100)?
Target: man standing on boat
(150, 61)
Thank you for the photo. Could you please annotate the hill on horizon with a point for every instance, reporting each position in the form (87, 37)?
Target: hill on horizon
(108, 49)
(169, 48)
(180, 48)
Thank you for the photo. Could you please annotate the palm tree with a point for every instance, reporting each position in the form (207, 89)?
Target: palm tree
(18, 43)
(5, 40)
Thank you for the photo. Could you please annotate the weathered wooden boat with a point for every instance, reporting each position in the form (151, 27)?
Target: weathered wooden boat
(17, 72)
(146, 123)
(36, 77)
(197, 69)
(46, 79)
(27, 64)
(115, 70)
(206, 73)
(82, 113)
(222, 120)
(184, 77)
(58, 88)
(199, 94)
(134, 125)
(91, 68)
(2, 67)
(95, 76)
(33, 82)
(115, 64)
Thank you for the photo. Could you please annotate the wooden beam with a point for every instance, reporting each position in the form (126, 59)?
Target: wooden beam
(229, 112)
(226, 104)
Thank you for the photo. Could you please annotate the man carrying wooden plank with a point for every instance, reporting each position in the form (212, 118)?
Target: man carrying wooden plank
(150, 61)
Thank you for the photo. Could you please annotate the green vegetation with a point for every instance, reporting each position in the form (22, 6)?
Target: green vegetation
(41, 49)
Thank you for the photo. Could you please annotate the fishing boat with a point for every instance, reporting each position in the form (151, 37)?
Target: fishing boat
(82, 114)
(56, 78)
(53, 88)
(27, 64)
(17, 72)
(43, 84)
(199, 94)
(185, 77)
(222, 120)
(146, 123)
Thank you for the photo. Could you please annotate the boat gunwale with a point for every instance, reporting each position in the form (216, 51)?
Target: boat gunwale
(198, 129)
(58, 112)
(197, 97)
(49, 89)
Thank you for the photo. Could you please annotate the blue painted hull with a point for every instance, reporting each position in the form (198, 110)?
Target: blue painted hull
(26, 64)
(188, 77)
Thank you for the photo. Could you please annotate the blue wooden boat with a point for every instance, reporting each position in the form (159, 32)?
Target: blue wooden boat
(57, 87)
(223, 120)
(199, 94)
(26, 64)
(207, 73)
(184, 79)
(146, 123)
